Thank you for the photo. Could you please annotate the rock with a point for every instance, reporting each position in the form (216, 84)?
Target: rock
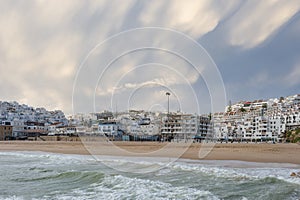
(293, 174)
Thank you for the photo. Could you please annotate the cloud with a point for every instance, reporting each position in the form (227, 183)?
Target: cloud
(256, 21)
(43, 43)
(292, 78)
(151, 69)
(35, 61)
(193, 17)
(260, 79)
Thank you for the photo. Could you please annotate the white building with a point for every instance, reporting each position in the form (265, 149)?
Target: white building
(18, 128)
(144, 127)
(108, 129)
(186, 127)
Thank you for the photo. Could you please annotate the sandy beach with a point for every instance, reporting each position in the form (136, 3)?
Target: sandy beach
(268, 153)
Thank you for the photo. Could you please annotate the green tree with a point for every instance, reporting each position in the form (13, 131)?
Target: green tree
(229, 107)
(210, 116)
(293, 136)
(265, 106)
(281, 99)
(242, 109)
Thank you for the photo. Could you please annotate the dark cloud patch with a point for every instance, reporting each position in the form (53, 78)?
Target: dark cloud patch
(257, 72)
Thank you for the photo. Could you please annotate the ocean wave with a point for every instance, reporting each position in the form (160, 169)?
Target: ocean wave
(90, 180)
(68, 176)
(121, 187)
(13, 197)
(138, 165)
(278, 174)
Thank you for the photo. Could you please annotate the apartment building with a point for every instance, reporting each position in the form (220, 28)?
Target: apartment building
(6, 132)
(185, 127)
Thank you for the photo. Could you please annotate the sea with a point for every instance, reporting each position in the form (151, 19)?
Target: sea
(40, 175)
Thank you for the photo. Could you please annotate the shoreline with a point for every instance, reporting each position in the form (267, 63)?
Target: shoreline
(249, 152)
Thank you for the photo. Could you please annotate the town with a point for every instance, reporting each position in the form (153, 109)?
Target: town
(272, 120)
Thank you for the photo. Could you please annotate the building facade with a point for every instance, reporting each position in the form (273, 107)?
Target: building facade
(6, 132)
(186, 127)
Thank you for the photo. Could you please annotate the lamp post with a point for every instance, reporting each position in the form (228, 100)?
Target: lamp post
(168, 95)
(168, 123)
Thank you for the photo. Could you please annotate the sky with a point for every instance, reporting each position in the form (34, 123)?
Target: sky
(88, 56)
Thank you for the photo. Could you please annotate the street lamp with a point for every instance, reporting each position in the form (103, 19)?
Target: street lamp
(168, 123)
(168, 94)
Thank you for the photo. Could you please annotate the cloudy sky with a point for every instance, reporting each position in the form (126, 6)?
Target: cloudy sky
(85, 56)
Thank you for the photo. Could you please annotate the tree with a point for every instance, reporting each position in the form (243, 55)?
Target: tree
(265, 105)
(229, 109)
(210, 116)
(281, 99)
(293, 136)
(242, 109)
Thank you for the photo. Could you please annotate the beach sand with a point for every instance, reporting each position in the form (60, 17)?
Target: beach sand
(263, 152)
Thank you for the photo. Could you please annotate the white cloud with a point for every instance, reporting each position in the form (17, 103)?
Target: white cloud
(153, 76)
(42, 44)
(256, 21)
(193, 17)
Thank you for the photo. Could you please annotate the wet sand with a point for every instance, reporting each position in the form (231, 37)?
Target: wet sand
(263, 152)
